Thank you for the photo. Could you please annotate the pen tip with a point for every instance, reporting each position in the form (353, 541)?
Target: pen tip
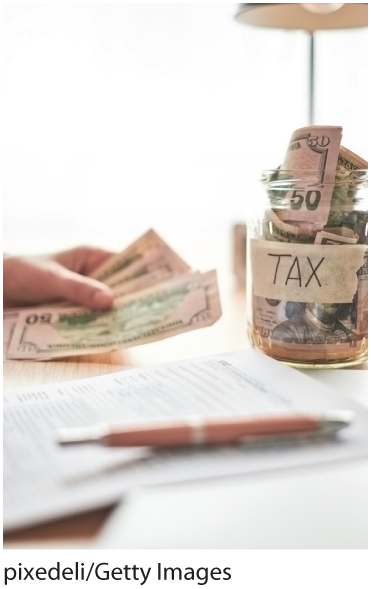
(334, 421)
(341, 416)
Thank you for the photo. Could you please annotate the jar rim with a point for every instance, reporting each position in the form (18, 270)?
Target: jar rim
(286, 177)
(297, 170)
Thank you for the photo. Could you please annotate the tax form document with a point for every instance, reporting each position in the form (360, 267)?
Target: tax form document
(43, 480)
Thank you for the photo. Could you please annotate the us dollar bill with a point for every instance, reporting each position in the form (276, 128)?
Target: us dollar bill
(155, 276)
(292, 332)
(351, 171)
(311, 158)
(348, 163)
(147, 268)
(344, 210)
(275, 229)
(138, 259)
(181, 304)
(10, 317)
(336, 236)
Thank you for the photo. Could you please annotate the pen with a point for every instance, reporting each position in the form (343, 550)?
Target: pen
(196, 430)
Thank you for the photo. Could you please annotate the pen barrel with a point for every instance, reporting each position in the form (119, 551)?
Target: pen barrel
(166, 435)
(219, 433)
(209, 432)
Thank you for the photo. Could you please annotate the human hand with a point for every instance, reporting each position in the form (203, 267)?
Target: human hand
(43, 279)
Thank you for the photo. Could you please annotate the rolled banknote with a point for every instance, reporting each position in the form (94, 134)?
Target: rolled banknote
(350, 168)
(181, 304)
(348, 162)
(336, 236)
(346, 201)
(311, 158)
(274, 229)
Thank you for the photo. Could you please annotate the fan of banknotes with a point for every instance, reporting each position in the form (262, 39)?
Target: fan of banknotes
(156, 296)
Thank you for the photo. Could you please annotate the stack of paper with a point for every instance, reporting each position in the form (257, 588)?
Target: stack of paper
(43, 480)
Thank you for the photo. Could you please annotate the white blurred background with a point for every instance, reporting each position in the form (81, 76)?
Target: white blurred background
(120, 117)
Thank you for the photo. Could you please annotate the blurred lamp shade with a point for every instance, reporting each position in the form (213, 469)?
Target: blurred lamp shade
(307, 17)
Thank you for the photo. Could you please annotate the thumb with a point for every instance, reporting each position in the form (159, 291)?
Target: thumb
(81, 289)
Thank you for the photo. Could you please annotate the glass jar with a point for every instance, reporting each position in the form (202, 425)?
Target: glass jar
(307, 269)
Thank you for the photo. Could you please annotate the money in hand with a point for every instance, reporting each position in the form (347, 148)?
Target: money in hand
(147, 254)
(156, 296)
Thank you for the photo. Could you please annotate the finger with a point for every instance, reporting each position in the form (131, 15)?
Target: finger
(82, 259)
(82, 289)
(95, 258)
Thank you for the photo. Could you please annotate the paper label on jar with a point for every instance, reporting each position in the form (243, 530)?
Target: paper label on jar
(305, 272)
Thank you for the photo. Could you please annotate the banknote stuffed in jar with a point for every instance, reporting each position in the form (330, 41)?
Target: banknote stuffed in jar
(307, 256)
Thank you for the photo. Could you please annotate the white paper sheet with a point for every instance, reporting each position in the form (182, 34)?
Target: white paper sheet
(43, 480)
